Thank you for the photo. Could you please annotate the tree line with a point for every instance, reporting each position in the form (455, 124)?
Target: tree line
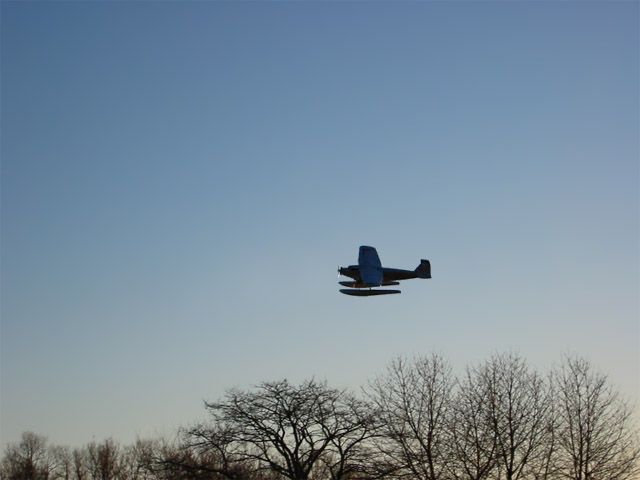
(500, 420)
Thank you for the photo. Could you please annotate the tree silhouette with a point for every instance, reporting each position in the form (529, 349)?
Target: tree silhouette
(28, 460)
(518, 409)
(596, 436)
(289, 430)
(413, 403)
(472, 438)
(501, 421)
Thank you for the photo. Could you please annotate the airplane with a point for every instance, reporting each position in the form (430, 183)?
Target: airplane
(370, 273)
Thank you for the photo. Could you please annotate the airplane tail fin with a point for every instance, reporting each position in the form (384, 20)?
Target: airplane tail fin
(424, 269)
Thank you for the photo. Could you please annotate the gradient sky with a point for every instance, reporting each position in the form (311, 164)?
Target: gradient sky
(180, 182)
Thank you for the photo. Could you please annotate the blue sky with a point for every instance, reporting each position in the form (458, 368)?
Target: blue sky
(180, 182)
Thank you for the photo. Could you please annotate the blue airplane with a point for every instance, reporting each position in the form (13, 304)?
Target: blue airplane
(370, 273)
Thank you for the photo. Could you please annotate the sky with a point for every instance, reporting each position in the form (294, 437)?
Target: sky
(181, 181)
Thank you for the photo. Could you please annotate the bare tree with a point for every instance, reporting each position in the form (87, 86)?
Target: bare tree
(472, 437)
(27, 460)
(109, 461)
(354, 425)
(413, 401)
(518, 405)
(546, 465)
(135, 461)
(501, 421)
(61, 463)
(140, 460)
(287, 430)
(205, 452)
(104, 460)
(597, 438)
(80, 464)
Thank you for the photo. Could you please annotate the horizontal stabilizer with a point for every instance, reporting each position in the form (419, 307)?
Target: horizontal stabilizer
(367, 293)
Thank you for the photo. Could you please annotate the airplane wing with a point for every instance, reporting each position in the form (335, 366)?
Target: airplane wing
(370, 266)
(371, 276)
(368, 256)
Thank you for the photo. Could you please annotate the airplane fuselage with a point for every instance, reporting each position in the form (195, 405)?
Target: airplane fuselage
(389, 276)
(370, 273)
